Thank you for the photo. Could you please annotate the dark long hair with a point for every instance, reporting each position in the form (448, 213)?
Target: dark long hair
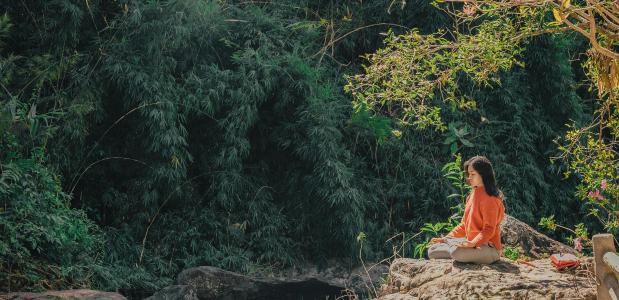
(483, 166)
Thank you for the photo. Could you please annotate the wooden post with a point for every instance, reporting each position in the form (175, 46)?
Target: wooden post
(607, 286)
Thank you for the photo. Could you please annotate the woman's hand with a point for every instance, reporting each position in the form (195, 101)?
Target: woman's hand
(466, 244)
(437, 240)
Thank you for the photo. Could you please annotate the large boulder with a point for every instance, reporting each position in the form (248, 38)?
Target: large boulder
(445, 279)
(215, 283)
(307, 282)
(359, 279)
(175, 292)
(64, 295)
(534, 244)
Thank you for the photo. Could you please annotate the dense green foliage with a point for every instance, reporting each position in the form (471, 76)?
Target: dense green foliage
(45, 243)
(153, 136)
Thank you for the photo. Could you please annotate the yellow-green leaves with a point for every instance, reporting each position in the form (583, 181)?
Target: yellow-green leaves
(565, 4)
(560, 14)
(414, 73)
(548, 223)
(557, 15)
(361, 237)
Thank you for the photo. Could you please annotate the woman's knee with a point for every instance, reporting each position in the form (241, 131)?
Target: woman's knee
(474, 255)
(439, 250)
(460, 254)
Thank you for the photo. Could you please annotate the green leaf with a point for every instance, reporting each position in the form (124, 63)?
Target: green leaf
(361, 237)
(466, 142)
(449, 140)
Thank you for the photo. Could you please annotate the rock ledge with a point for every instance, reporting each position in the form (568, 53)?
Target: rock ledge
(445, 279)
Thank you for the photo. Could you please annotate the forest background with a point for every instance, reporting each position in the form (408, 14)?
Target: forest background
(140, 138)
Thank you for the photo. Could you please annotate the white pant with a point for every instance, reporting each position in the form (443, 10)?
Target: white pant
(485, 254)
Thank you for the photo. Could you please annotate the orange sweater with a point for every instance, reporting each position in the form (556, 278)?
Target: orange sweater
(482, 216)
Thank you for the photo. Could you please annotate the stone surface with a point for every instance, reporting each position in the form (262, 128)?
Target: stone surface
(215, 283)
(175, 292)
(308, 282)
(446, 279)
(338, 275)
(535, 244)
(64, 295)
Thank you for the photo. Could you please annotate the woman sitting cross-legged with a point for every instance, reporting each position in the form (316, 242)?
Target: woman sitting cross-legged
(477, 238)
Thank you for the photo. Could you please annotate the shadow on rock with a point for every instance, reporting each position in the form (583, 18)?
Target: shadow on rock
(502, 266)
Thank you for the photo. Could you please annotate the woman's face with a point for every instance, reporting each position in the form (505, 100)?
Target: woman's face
(473, 178)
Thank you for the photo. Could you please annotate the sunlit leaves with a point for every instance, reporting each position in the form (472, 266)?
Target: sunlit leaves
(557, 15)
(407, 77)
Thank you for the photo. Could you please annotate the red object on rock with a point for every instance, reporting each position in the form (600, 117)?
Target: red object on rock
(564, 260)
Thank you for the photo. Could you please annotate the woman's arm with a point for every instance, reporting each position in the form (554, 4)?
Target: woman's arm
(460, 229)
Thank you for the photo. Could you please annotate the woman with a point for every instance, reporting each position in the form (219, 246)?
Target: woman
(477, 238)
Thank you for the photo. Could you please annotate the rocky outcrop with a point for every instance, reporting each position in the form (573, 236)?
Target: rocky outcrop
(64, 295)
(176, 292)
(309, 282)
(534, 244)
(415, 278)
(337, 274)
(538, 279)
(445, 279)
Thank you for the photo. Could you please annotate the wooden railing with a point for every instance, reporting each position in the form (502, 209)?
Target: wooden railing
(606, 266)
